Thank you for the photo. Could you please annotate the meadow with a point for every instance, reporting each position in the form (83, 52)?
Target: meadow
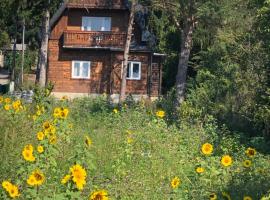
(93, 149)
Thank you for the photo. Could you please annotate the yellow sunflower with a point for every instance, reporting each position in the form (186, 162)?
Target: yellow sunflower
(88, 141)
(160, 113)
(7, 100)
(251, 152)
(247, 163)
(207, 149)
(247, 198)
(99, 195)
(14, 191)
(56, 112)
(175, 182)
(66, 179)
(213, 196)
(36, 178)
(40, 149)
(46, 125)
(27, 153)
(226, 160)
(6, 185)
(200, 170)
(226, 195)
(78, 174)
(7, 107)
(40, 136)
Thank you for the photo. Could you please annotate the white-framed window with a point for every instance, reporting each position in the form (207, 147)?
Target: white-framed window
(96, 23)
(134, 70)
(81, 69)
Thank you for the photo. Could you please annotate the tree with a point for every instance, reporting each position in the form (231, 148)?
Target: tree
(185, 15)
(126, 51)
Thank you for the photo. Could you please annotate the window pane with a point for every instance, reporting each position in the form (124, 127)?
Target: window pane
(76, 70)
(85, 70)
(128, 71)
(86, 23)
(136, 70)
(96, 23)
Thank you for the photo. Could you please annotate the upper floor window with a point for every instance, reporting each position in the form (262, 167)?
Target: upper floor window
(134, 70)
(81, 69)
(96, 23)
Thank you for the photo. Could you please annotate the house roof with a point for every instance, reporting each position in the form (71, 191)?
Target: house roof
(87, 4)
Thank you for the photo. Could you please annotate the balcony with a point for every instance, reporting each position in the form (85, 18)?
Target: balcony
(99, 4)
(90, 39)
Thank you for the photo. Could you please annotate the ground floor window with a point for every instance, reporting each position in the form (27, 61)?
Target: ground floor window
(81, 69)
(134, 70)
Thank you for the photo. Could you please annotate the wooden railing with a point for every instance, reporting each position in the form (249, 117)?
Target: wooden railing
(97, 3)
(94, 39)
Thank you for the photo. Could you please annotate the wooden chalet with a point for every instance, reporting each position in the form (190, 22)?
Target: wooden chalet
(86, 48)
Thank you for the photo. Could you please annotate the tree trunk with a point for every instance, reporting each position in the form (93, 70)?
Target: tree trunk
(181, 78)
(126, 53)
(44, 49)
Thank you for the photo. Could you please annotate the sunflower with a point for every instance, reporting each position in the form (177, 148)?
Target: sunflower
(200, 170)
(6, 185)
(56, 112)
(36, 178)
(213, 196)
(247, 198)
(160, 114)
(226, 195)
(63, 113)
(207, 149)
(99, 195)
(7, 100)
(7, 107)
(247, 163)
(27, 153)
(78, 174)
(175, 182)
(40, 136)
(66, 179)
(226, 160)
(46, 125)
(14, 191)
(88, 141)
(251, 152)
(40, 149)
(17, 105)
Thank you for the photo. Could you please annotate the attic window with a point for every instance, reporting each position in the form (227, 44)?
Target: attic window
(96, 23)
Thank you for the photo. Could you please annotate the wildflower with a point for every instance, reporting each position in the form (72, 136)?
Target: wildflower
(160, 113)
(247, 163)
(129, 140)
(226, 195)
(7, 100)
(64, 98)
(251, 152)
(99, 195)
(36, 178)
(66, 179)
(115, 111)
(88, 141)
(213, 196)
(40, 136)
(6, 185)
(226, 160)
(200, 170)
(175, 182)
(14, 191)
(38, 113)
(78, 174)
(63, 113)
(46, 125)
(40, 149)
(16, 105)
(56, 112)
(247, 198)
(28, 153)
(207, 149)
(7, 107)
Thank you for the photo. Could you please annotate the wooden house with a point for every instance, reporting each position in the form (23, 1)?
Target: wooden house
(86, 48)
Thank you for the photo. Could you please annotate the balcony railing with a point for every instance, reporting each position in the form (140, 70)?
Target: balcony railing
(110, 4)
(87, 39)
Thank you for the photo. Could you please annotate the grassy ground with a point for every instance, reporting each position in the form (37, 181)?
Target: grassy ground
(133, 155)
